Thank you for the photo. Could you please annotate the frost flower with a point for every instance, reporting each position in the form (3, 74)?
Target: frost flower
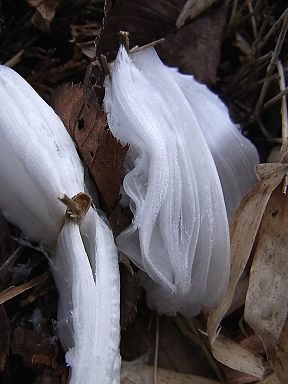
(38, 164)
(179, 234)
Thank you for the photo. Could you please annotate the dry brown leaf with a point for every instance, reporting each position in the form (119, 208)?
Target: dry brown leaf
(145, 21)
(267, 296)
(232, 354)
(137, 373)
(243, 233)
(271, 379)
(129, 292)
(194, 49)
(280, 358)
(266, 169)
(46, 8)
(191, 9)
(101, 152)
(38, 350)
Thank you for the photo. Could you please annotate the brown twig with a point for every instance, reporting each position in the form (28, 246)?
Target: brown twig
(253, 20)
(270, 68)
(152, 44)
(124, 39)
(284, 91)
(155, 368)
(276, 98)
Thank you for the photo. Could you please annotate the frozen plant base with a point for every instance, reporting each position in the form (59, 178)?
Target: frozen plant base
(179, 234)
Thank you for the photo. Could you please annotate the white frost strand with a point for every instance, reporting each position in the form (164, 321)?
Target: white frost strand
(39, 163)
(179, 234)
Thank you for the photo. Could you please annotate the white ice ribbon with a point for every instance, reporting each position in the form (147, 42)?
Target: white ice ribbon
(38, 164)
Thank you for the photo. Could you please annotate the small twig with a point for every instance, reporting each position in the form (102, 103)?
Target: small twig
(10, 261)
(124, 39)
(77, 207)
(264, 130)
(188, 328)
(284, 91)
(12, 292)
(152, 44)
(70, 204)
(155, 368)
(276, 98)
(14, 60)
(270, 68)
(261, 41)
(233, 12)
(253, 20)
(105, 65)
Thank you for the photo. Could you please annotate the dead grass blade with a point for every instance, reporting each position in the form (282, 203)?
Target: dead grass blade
(12, 292)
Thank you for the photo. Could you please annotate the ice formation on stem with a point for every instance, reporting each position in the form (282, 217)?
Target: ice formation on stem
(38, 164)
(179, 234)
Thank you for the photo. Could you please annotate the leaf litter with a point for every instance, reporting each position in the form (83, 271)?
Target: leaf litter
(258, 229)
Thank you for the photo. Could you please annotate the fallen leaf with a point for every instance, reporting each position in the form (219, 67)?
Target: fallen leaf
(138, 373)
(194, 49)
(31, 346)
(237, 357)
(280, 358)
(145, 21)
(267, 296)
(45, 8)
(129, 292)
(243, 233)
(101, 152)
(191, 9)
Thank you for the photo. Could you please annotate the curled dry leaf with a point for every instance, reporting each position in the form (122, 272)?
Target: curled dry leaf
(243, 233)
(101, 152)
(267, 296)
(280, 358)
(137, 373)
(235, 356)
(244, 230)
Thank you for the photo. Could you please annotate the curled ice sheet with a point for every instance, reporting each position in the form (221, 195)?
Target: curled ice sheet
(39, 163)
(235, 156)
(93, 309)
(179, 234)
(37, 149)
